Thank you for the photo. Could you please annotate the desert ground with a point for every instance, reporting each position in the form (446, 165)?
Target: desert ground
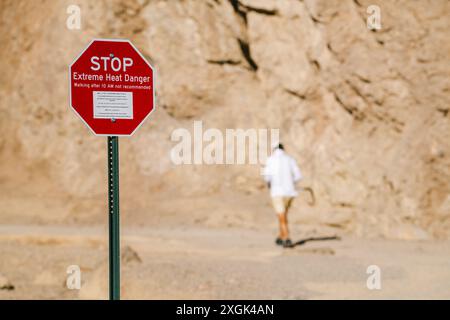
(213, 263)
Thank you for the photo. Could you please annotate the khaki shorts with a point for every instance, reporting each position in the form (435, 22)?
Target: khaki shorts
(281, 204)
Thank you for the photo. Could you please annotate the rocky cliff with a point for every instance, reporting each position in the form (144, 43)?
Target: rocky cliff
(365, 112)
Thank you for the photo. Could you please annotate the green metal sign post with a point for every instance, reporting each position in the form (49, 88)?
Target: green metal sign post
(114, 218)
(117, 85)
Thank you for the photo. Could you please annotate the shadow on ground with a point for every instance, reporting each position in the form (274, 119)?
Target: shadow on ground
(304, 241)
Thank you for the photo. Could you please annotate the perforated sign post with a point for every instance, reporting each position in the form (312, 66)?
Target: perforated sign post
(111, 89)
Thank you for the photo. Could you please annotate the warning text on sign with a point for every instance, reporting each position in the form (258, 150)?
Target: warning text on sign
(113, 105)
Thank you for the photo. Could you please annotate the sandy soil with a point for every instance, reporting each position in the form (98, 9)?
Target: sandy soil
(196, 263)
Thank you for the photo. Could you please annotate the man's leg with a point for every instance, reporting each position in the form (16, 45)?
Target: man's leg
(278, 205)
(284, 223)
(280, 225)
(279, 240)
(284, 231)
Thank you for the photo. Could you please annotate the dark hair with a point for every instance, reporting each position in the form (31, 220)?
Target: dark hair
(280, 146)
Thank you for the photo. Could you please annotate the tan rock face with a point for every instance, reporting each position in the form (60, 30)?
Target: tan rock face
(366, 113)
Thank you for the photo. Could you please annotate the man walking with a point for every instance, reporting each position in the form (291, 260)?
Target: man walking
(281, 173)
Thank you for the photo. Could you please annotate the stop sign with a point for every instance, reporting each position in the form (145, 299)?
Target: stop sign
(111, 87)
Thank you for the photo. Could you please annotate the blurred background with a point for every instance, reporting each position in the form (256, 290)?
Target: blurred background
(364, 112)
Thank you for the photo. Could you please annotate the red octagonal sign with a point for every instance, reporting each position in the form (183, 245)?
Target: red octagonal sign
(111, 87)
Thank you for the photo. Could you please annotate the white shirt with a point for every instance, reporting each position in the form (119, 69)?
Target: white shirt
(282, 172)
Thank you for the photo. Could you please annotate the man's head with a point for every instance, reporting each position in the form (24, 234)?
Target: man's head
(277, 146)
